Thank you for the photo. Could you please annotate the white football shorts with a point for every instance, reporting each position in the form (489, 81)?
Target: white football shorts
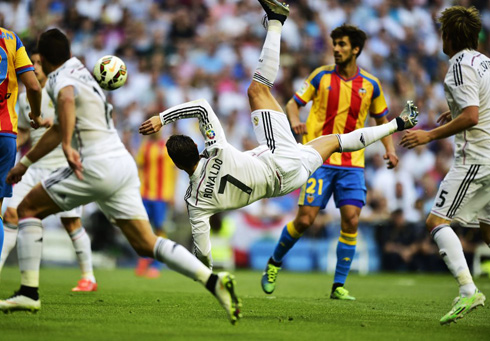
(464, 195)
(295, 162)
(32, 177)
(112, 183)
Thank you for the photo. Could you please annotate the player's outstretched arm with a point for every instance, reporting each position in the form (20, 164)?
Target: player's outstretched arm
(209, 124)
(50, 139)
(467, 119)
(390, 153)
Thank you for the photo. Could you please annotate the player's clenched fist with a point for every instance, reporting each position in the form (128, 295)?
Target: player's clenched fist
(16, 173)
(151, 126)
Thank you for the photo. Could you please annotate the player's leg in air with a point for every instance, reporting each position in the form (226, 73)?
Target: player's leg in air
(259, 93)
(81, 242)
(261, 100)
(326, 145)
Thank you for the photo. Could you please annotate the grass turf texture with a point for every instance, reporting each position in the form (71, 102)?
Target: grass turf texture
(388, 307)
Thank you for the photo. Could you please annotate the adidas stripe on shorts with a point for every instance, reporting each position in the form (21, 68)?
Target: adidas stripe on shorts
(464, 195)
(294, 162)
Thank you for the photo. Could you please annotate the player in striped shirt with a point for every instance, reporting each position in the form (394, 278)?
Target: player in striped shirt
(343, 95)
(14, 63)
(464, 194)
(224, 178)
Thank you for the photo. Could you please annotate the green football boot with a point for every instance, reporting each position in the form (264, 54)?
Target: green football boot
(269, 277)
(462, 306)
(341, 293)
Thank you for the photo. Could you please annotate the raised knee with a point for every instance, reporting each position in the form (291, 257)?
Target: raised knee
(257, 89)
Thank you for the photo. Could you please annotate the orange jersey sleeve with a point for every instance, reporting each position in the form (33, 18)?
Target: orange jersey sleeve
(340, 106)
(13, 62)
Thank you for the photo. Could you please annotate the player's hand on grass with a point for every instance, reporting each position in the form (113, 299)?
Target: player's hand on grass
(16, 173)
(392, 159)
(299, 127)
(414, 138)
(444, 118)
(73, 158)
(151, 126)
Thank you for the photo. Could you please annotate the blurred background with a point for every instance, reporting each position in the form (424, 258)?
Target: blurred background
(180, 50)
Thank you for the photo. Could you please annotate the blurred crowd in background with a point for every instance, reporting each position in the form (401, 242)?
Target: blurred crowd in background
(180, 50)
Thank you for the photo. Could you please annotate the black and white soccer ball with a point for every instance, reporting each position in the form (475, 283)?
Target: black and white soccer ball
(110, 72)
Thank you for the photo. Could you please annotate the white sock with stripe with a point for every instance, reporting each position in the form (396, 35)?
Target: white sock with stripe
(179, 259)
(81, 243)
(9, 241)
(268, 67)
(361, 138)
(451, 252)
(29, 250)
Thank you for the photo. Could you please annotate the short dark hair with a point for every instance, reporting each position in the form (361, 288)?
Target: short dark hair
(357, 37)
(462, 26)
(183, 151)
(54, 46)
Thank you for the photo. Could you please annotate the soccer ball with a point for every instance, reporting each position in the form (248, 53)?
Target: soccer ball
(110, 72)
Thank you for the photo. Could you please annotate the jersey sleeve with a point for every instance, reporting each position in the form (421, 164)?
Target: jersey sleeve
(209, 124)
(60, 83)
(201, 228)
(309, 87)
(378, 107)
(24, 109)
(464, 85)
(22, 62)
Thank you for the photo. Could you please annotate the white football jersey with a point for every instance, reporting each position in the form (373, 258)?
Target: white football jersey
(225, 177)
(467, 83)
(94, 135)
(56, 158)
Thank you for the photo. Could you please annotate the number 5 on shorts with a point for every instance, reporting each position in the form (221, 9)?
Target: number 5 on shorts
(442, 198)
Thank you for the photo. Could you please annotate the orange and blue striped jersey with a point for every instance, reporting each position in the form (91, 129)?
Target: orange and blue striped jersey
(158, 174)
(340, 106)
(13, 62)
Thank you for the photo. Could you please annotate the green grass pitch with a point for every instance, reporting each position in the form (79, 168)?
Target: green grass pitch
(388, 307)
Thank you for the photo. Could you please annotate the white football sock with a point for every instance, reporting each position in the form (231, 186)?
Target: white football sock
(81, 243)
(29, 250)
(361, 138)
(10, 238)
(179, 259)
(268, 67)
(452, 253)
